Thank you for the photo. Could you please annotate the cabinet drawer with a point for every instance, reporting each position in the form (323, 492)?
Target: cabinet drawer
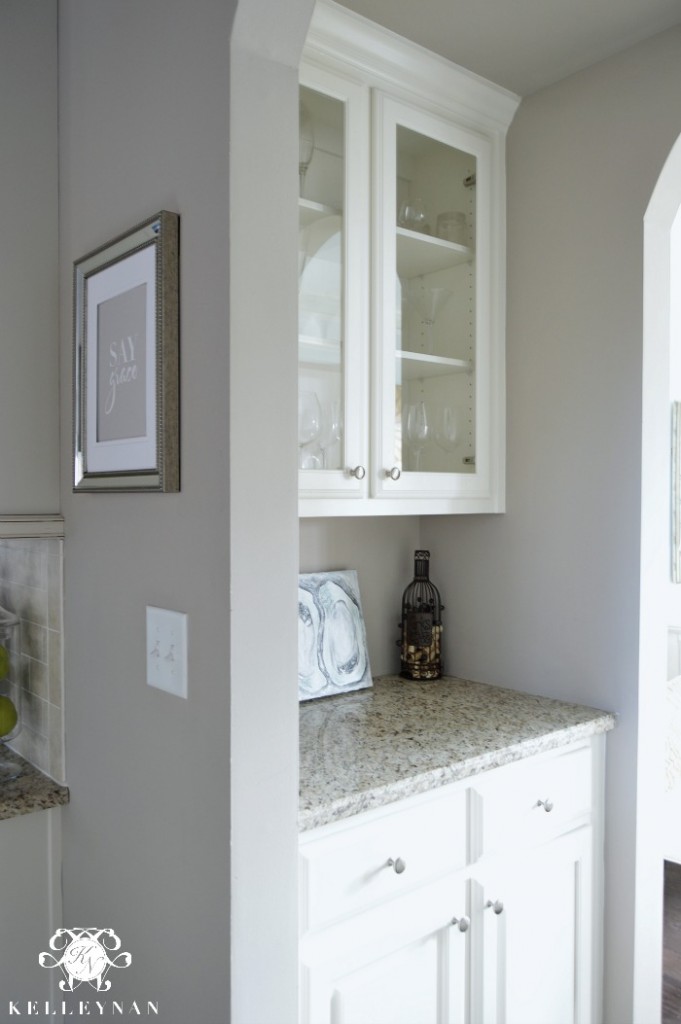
(349, 869)
(533, 799)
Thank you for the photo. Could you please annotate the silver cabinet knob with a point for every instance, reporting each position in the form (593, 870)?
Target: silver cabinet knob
(398, 865)
(496, 905)
(359, 472)
(546, 804)
(462, 923)
(395, 473)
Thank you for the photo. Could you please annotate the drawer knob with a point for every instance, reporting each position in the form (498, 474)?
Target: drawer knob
(398, 865)
(462, 923)
(546, 804)
(496, 905)
(359, 472)
(394, 474)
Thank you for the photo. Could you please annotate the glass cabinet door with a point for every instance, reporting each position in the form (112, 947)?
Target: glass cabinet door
(332, 271)
(433, 368)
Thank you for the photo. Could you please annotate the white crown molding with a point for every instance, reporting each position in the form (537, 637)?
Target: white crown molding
(383, 58)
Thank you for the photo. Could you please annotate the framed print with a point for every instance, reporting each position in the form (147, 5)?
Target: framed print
(332, 646)
(126, 361)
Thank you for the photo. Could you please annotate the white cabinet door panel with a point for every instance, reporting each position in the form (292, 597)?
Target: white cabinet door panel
(537, 935)
(405, 963)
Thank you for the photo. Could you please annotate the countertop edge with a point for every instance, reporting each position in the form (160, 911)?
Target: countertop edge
(31, 791)
(412, 785)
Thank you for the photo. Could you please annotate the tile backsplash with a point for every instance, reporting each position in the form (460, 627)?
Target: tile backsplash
(31, 576)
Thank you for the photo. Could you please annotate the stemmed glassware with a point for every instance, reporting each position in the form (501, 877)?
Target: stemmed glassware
(446, 429)
(309, 427)
(421, 426)
(331, 431)
(417, 430)
(305, 143)
(428, 301)
(412, 215)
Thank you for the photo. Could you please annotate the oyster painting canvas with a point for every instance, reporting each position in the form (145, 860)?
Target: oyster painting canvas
(332, 644)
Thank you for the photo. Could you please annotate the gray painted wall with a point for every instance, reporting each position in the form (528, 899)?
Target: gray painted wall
(382, 552)
(144, 119)
(546, 596)
(29, 344)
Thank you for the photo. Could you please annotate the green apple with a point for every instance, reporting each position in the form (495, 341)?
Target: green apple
(8, 715)
(4, 662)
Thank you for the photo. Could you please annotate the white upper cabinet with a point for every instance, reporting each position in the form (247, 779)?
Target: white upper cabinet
(333, 266)
(401, 277)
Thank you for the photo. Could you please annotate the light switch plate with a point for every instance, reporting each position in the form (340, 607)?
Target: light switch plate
(167, 650)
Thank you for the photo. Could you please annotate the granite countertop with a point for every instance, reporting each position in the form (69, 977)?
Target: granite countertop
(372, 747)
(30, 791)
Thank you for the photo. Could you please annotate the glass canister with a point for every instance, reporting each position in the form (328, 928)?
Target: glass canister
(10, 691)
(421, 625)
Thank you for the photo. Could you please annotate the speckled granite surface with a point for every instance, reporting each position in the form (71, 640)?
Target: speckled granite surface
(31, 791)
(368, 748)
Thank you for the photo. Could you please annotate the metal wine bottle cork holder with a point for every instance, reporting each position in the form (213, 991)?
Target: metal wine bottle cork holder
(421, 625)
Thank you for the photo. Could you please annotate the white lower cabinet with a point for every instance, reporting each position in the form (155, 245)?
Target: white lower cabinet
(401, 963)
(30, 858)
(445, 923)
(535, 929)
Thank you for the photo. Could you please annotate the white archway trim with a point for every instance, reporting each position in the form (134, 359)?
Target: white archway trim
(272, 31)
(659, 226)
(266, 43)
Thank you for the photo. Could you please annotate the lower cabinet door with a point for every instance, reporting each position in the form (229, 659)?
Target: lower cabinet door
(403, 963)
(536, 960)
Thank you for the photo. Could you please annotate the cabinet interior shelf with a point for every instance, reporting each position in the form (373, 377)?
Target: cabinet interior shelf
(418, 365)
(309, 212)
(318, 352)
(419, 254)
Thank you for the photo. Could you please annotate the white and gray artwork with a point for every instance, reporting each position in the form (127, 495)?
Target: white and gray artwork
(332, 646)
(121, 366)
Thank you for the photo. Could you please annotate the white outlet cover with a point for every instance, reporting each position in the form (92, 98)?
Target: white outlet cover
(167, 650)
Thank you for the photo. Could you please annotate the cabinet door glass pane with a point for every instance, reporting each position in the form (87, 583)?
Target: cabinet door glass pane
(320, 272)
(435, 344)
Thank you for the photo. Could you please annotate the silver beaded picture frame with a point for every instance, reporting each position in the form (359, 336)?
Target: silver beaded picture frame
(126, 361)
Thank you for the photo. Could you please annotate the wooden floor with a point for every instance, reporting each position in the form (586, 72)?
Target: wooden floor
(671, 980)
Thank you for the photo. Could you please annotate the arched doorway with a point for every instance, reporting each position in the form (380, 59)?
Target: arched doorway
(662, 231)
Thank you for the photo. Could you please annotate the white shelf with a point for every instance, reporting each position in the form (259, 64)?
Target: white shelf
(319, 352)
(418, 366)
(419, 254)
(309, 212)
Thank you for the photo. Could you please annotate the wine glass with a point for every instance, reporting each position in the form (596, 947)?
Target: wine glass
(412, 215)
(446, 429)
(332, 429)
(418, 430)
(305, 142)
(309, 427)
(428, 302)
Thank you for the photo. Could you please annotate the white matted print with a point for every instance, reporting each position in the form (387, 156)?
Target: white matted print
(126, 361)
(121, 365)
(332, 646)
